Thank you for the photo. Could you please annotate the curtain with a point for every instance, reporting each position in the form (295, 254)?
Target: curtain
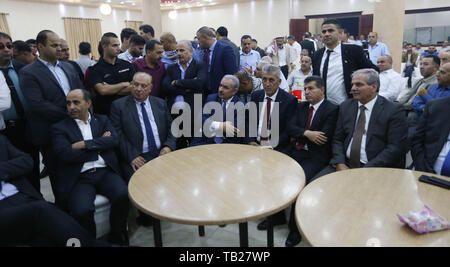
(133, 24)
(4, 24)
(82, 30)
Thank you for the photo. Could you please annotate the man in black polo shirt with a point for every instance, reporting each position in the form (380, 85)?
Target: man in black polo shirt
(110, 77)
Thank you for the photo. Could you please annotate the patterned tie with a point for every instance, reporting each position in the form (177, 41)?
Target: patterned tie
(355, 150)
(325, 68)
(152, 149)
(300, 145)
(266, 124)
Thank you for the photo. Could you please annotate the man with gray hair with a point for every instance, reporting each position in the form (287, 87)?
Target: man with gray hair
(391, 82)
(182, 81)
(218, 57)
(371, 131)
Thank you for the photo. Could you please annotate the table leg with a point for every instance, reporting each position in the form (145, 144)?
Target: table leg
(157, 232)
(201, 230)
(269, 231)
(243, 234)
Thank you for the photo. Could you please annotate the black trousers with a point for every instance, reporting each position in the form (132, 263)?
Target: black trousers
(107, 183)
(28, 221)
(16, 132)
(285, 71)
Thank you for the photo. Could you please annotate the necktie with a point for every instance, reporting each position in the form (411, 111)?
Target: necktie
(152, 149)
(300, 145)
(208, 52)
(446, 166)
(266, 123)
(14, 96)
(219, 140)
(325, 68)
(355, 150)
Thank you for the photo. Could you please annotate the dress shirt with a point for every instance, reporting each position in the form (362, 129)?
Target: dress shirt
(128, 57)
(149, 110)
(249, 60)
(84, 62)
(211, 51)
(378, 50)
(11, 114)
(296, 50)
(263, 110)
(441, 158)
(391, 84)
(296, 79)
(214, 127)
(5, 99)
(86, 132)
(282, 56)
(336, 92)
(179, 99)
(7, 190)
(435, 91)
(59, 75)
(369, 108)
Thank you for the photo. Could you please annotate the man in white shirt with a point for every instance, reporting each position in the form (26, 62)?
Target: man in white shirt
(391, 82)
(296, 50)
(5, 99)
(281, 56)
(297, 77)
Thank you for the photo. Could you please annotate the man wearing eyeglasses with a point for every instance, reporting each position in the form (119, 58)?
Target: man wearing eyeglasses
(336, 62)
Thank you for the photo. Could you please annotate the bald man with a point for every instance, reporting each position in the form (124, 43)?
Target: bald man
(391, 82)
(170, 49)
(376, 49)
(444, 57)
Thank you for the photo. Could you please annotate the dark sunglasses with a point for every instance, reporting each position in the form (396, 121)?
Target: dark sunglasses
(2, 46)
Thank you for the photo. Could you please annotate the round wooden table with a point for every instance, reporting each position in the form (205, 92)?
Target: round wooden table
(359, 208)
(215, 185)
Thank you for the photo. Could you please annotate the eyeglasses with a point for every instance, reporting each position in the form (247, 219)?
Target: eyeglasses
(2, 46)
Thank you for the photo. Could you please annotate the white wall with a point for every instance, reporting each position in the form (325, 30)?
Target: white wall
(26, 19)
(262, 19)
(427, 19)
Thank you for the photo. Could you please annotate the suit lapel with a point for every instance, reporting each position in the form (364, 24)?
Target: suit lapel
(319, 112)
(77, 131)
(377, 109)
(156, 115)
(49, 74)
(95, 127)
(352, 115)
(344, 57)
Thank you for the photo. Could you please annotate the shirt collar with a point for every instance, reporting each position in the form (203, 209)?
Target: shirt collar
(139, 102)
(369, 105)
(249, 53)
(213, 46)
(337, 49)
(317, 105)
(10, 65)
(82, 122)
(48, 63)
(274, 96)
(189, 63)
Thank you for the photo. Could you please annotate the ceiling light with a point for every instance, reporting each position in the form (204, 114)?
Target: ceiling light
(173, 15)
(105, 9)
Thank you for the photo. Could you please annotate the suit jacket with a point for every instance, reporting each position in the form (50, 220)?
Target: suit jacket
(45, 97)
(353, 58)
(14, 165)
(71, 161)
(223, 62)
(236, 49)
(324, 121)
(431, 134)
(238, 124)
(287, 106)
(125, 119)
(414, 56)
(308, 45)
(385, 138)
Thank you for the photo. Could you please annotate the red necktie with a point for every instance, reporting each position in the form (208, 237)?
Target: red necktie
(299, 146)
(207, 58)
(266, 121)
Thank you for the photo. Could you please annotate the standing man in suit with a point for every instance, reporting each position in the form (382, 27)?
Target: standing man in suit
(143, 125)
(45, 84)
(431, 143)
(267, 100)
(222, 36)
(312, 127)
(308, 44)
(87, 165)
(371, 131)
(17, 128)
(182, 81)
(218, 57)
(336, 62)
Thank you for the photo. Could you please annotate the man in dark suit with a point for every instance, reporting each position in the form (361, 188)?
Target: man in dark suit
(27, 219)
(182, 81)
(87, 165)
(336, 62)
(222, 36)
(371, 131)
(312, 127)
(431, 142)
(308, 44)
(45, 84)
(276, 106)
(218, 57)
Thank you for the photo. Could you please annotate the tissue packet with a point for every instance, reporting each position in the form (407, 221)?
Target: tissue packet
(424, 222)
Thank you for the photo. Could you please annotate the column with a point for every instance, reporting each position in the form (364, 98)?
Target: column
(151, 14)
(388, 22)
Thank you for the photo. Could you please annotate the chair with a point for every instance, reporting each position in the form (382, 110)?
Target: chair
(101, 215)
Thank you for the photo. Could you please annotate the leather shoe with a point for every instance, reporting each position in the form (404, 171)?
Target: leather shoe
(293, 239)
(263, 225)
(144, 220)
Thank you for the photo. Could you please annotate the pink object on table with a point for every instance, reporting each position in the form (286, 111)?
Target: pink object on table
(424, 222)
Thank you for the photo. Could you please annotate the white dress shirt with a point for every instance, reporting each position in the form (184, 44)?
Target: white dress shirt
(336, 92)
(296, 50)
(263, 110)
(5, 98)
(86, 132)
(369, 107)
(441, 158)
(391, 84)
(151, 118)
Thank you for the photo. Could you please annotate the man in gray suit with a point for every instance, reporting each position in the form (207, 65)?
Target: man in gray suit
(45, 84)
(143, 125)
(371, 131)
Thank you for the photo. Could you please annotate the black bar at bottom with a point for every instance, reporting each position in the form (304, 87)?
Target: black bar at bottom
(157, 232)
(269, 231)
(201, 230)
(243, 234)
